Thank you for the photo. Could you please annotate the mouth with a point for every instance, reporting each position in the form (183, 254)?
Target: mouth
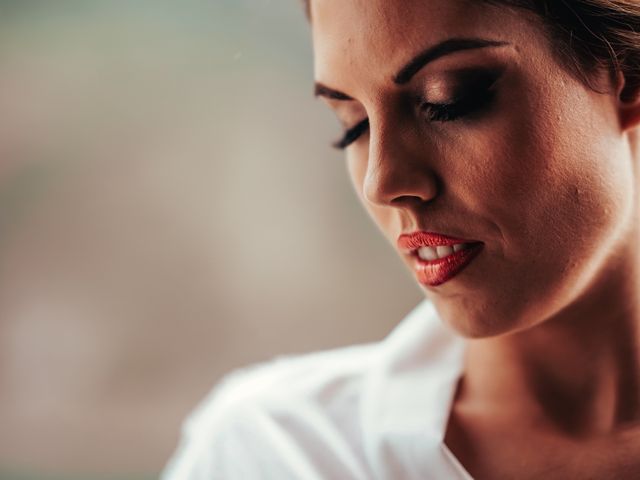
(437, 258)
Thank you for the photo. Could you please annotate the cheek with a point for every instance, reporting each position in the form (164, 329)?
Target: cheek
(546, 167)
(357, 170)
(558, 184)
(560, 177)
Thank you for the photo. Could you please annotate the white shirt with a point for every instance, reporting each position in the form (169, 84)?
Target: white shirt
(368, 412)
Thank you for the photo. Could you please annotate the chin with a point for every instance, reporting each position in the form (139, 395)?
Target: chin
(476, 321)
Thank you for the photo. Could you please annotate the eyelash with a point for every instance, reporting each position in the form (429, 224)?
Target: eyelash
(472, 102)
(446, 112)
(352, 135)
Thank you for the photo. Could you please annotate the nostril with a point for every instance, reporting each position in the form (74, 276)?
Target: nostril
(407, 201)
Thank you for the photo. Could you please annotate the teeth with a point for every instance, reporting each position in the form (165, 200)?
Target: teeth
(444, 251)
(427, 253)
(433, 253)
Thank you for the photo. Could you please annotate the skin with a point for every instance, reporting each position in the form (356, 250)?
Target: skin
(547, 178)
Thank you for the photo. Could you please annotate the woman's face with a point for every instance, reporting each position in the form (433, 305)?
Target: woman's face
(484, 138)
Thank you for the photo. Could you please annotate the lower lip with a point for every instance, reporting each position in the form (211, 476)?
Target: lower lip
(436, 272)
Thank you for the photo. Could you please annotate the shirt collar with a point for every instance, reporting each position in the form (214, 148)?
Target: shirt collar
(408, 396)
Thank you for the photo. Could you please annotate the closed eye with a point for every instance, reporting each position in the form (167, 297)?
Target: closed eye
(472, 97)
(446, 112)
(352, 134)
(476, 94)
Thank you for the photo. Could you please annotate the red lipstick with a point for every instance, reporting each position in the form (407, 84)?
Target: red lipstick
(431, 270)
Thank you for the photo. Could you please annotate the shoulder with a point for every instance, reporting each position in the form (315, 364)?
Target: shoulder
(305, 416)
(262, 418)
(287, 385)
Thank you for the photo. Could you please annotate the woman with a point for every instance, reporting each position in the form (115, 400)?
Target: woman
(495, 144)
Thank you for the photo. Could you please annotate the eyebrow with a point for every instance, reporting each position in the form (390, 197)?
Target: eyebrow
(440, 50)
(324, 91)
(406, 73)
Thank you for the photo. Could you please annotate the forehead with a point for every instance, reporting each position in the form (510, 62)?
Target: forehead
(370, 39)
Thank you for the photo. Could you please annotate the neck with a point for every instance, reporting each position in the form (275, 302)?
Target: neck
(580, 369)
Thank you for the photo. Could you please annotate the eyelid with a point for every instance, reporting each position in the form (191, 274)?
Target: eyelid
(467, 81)
(352, 134)
(474, 96)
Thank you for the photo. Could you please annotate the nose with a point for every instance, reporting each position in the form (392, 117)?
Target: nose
(399, 172)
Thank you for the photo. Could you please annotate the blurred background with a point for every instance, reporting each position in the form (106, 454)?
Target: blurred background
(170, 209)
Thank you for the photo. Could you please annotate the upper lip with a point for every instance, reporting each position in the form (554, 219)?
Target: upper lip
(413, 241)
